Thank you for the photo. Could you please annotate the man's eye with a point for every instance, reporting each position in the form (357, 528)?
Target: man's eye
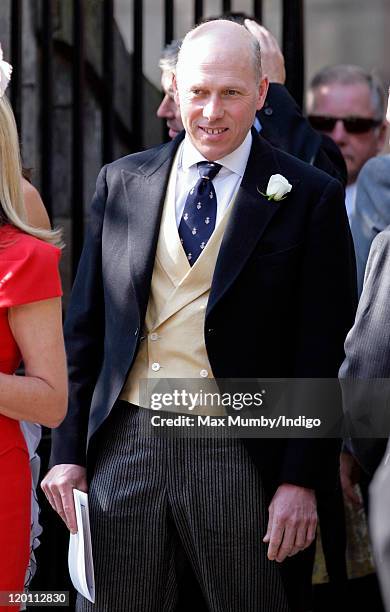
(231, 92)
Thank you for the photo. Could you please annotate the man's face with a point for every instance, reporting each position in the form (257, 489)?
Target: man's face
(354, 100)
(217, 93)
(168, 108)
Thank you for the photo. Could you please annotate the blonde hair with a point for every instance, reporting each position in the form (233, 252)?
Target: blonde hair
(12, 208)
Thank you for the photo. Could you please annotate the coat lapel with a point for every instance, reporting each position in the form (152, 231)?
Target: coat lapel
(251, 214)
(145, 192)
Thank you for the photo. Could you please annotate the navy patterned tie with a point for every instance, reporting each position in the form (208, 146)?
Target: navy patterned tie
(200, 212)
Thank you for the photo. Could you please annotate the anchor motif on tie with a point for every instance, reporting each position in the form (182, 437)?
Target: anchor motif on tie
(196, 230)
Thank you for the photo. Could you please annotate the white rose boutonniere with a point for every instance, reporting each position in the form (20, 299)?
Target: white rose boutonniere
(277, 188)
(5, 73)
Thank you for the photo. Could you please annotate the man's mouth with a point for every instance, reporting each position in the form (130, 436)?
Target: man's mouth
(172, 131)
(213, 131)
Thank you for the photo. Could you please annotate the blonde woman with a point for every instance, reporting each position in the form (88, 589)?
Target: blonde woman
(38, 217)
(30, 330)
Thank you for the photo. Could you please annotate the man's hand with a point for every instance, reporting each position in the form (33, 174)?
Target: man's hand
(58, 486)
(292, 521)
(272, 59)
(349, 477)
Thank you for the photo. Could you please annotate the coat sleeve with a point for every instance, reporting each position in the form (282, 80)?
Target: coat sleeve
(367, 355)
(326, 293)
(84, 338)
(380, 525)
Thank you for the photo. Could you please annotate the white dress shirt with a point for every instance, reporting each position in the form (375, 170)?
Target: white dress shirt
(226, 183)
(350, 200)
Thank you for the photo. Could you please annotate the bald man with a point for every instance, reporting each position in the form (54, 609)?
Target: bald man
(191, 272)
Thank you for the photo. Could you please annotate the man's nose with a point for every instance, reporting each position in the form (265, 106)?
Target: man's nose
(339, 133)
(213, 109)
(166, 108)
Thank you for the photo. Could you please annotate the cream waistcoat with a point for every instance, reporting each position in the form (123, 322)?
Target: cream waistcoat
(173, 343)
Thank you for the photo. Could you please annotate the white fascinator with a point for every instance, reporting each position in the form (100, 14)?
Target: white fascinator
(5, 73)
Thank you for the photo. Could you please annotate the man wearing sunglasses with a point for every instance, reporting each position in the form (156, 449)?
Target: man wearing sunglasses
(368, 357)
(348, 104)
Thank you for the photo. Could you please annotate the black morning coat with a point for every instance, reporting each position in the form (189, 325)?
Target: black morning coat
(282, 299)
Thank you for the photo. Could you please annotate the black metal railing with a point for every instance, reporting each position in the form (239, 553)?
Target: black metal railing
(46, 104)
(78, 89)
(108, 81)
(293, 47)
(198, 10)
(137, 78)
(169, 21)
(16, 55)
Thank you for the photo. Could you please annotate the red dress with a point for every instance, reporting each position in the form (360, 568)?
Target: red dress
(28, 273)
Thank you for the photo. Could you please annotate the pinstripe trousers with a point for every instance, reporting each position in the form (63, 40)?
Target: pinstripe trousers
(151, 498)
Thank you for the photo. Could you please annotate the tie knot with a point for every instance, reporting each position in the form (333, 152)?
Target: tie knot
(208, 170)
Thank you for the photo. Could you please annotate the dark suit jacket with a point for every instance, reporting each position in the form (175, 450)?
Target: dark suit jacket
(281, 301)
(286, 128)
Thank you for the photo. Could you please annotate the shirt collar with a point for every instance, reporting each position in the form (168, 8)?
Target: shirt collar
(235, 162)
(257, 124)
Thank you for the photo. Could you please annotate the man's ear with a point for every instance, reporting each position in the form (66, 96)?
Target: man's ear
(175, 90)
(382, 136)
(262, 92)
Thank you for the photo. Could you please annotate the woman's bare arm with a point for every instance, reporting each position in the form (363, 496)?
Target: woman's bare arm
(41, 395)
(36, 211)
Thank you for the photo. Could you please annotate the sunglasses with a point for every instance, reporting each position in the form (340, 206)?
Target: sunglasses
(352, 125)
